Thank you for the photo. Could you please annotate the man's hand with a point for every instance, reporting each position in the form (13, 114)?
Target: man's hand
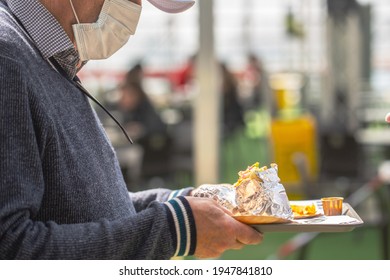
(217, 231)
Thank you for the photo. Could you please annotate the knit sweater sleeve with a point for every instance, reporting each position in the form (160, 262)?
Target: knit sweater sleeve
(148, 234)
(142, 199)
(180, 216)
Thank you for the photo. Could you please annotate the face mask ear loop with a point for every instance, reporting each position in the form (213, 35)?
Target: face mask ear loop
(74, 11)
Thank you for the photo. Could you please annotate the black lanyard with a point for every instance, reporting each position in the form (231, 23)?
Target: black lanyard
(76, 81)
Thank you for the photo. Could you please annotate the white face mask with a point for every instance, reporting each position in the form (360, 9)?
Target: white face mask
(117, 21)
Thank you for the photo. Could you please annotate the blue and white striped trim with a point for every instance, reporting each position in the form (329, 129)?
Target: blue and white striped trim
(184, 226)
(176, 193)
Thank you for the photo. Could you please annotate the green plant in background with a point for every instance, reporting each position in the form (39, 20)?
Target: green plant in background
(294, 28)
(257, 124)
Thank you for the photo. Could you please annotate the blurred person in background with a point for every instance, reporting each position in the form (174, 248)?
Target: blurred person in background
(62, 191)
(142, 121)
(257, 76)
(233, 114)
(135, 74)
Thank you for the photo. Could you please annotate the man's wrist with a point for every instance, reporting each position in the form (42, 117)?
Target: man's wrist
(182, 225)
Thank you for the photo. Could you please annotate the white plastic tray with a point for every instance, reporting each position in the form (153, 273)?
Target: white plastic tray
(317, 224)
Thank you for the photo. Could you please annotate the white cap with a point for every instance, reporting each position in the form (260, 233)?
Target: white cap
(172, 6)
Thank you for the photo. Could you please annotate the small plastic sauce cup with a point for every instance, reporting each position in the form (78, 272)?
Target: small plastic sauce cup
(332, 206)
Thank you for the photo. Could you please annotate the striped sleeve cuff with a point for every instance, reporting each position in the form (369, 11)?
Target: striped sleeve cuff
(183, 228)
(177, 193)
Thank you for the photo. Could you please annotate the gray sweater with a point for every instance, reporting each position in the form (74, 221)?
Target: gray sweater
(62, 194)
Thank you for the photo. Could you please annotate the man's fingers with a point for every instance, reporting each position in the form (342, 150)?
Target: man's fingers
(249, 236)
(246, 235)
(221, 207)
(226, 211)
(238, 245)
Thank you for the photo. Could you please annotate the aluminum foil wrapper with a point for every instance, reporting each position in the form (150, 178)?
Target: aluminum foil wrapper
(260, 195)
(224, 194)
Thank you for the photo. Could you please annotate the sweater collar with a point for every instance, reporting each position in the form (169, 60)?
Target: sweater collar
(46, 32)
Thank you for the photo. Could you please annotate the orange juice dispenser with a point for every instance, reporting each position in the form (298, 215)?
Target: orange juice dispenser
(293, 133)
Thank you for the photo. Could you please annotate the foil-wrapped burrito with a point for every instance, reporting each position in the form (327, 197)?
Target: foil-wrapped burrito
(257, 192)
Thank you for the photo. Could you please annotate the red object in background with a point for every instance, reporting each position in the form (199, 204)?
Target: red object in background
(178, 77)
(181, 77)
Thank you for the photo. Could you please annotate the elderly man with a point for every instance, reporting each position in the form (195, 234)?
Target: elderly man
(62, 192)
